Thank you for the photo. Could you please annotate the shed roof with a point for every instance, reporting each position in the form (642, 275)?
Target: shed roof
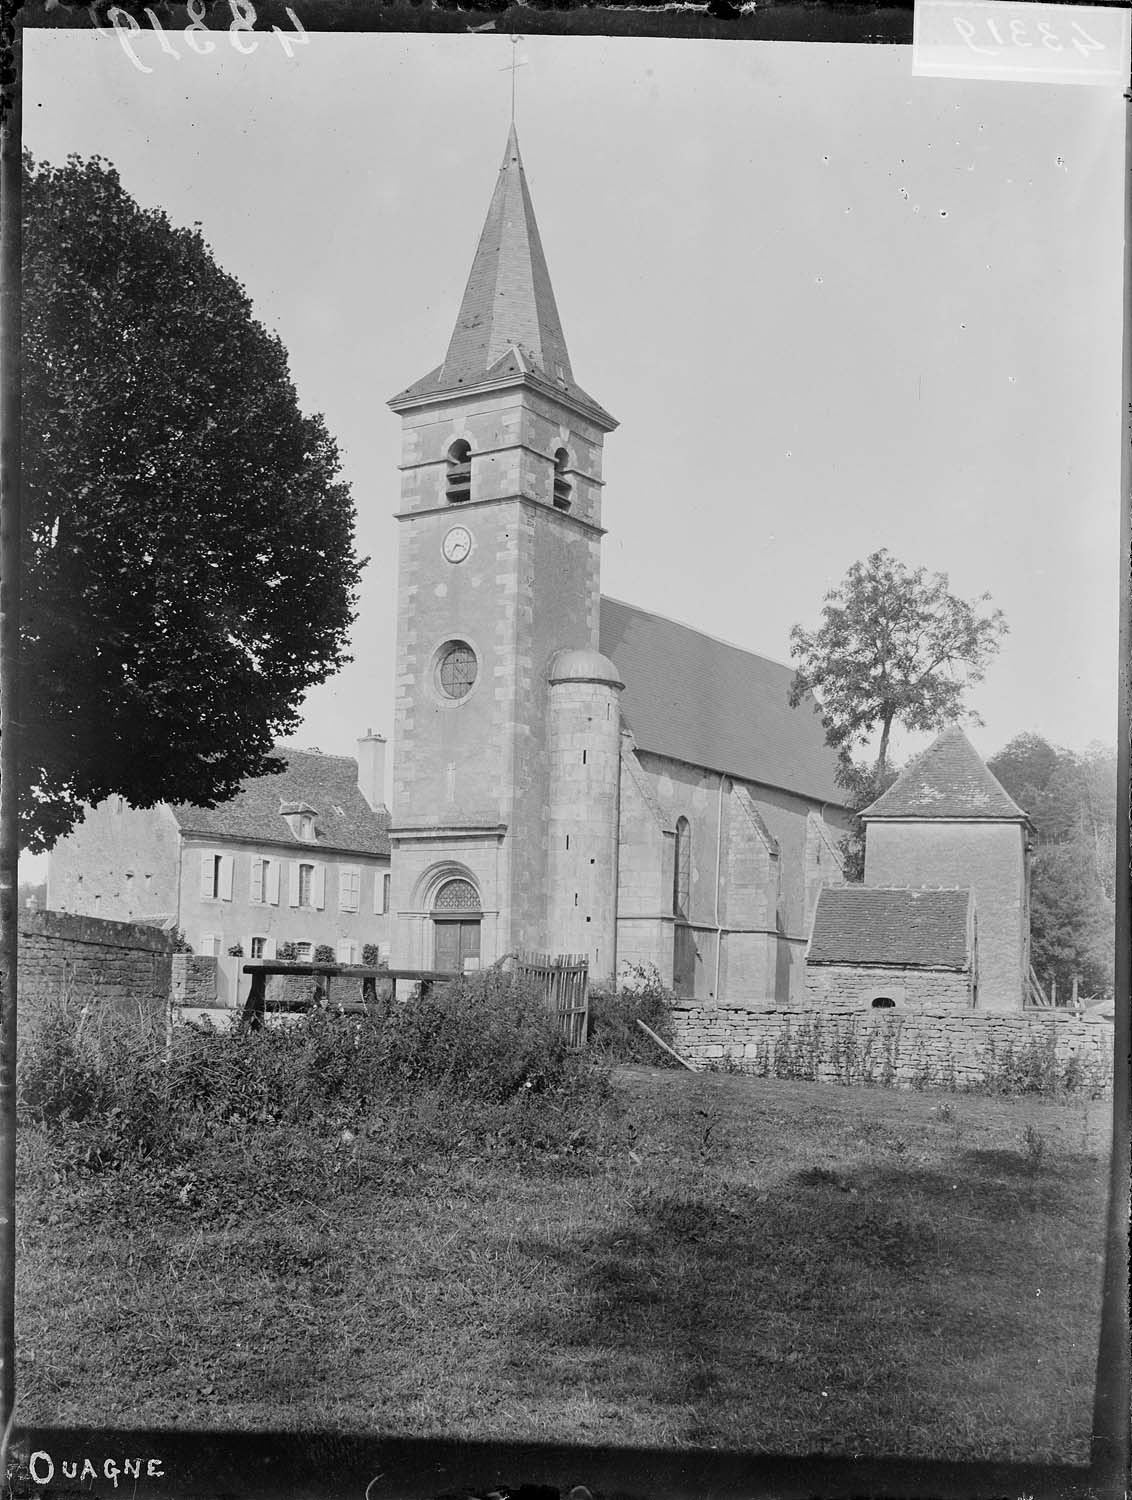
(700, 700)
(328, 784)
(861, 924)
(948, 780)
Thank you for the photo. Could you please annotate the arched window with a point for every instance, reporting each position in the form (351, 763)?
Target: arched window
(456, 926)
(884, 1002)
(562, 485)
(682, 871)
(456, 669)
(458, 485)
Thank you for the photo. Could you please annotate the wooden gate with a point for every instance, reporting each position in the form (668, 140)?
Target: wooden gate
(564, 982)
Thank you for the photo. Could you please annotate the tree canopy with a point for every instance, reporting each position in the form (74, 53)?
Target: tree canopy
(1071, 800)
(894, 647)
(188, 545)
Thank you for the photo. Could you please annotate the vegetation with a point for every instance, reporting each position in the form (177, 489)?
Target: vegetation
(894, 647)
(1072, 802)
(424, 1244)
(188, 545)
(614, 1013)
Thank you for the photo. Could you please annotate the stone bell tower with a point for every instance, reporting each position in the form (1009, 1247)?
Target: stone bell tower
(498, 573)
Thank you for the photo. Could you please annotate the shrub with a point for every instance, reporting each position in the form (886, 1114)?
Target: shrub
(287, 953)
(324, 954)
(371, 955)
(613, 1031)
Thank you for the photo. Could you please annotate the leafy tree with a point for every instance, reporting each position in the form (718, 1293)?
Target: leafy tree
(894, 646)
(187, 543)
(863, 784)
(1071, 800)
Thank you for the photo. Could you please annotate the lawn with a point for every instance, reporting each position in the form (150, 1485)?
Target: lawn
(749, 1264)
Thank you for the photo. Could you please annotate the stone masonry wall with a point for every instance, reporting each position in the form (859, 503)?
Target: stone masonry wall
(902, 1047)
(854, 987)
(194, 979)
(117, 967)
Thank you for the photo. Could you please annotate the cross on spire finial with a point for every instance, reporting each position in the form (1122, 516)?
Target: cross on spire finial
(511, 67)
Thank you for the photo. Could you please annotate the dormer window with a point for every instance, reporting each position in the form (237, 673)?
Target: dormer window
(458, 481)
(300, 818)
(562, 485)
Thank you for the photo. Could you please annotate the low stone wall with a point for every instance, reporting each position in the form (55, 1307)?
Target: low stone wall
(114, 967)
(906, 1048)
(194, 980)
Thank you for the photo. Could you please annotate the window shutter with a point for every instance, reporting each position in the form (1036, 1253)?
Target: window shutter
(269, 942)
(349, 888)
(258, 893)
(206, 869)
(377, 893)
(225, 877)
(272, 893)
(319, 883)
(294, 893)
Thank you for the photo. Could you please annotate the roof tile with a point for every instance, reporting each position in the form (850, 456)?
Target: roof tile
(948, 780)
(861, 924)
(328, 784)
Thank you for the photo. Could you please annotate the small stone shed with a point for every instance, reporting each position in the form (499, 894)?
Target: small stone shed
(893, 948)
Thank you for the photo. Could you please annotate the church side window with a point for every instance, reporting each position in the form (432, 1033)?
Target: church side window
(458, 481)
(562, 486)
(682, 873)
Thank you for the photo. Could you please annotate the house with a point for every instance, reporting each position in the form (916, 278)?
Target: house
(299, 857)
(943, 916)
(573, 774)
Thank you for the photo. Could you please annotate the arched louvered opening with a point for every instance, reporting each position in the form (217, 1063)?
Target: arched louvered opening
(458, 485)
(563, 488)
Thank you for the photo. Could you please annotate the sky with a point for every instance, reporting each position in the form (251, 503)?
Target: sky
(834, 307)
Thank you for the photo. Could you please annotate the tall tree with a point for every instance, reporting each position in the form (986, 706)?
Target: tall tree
(188, 545)
(894, 647)
(1071, 801)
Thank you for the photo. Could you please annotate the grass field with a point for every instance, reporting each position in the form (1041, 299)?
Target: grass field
(753, 1264)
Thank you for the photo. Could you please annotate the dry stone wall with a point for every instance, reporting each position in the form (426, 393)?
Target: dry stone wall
(114, 967)
(906, 1048)
(853, 987)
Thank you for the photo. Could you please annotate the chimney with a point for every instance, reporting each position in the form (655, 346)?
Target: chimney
(371, 769)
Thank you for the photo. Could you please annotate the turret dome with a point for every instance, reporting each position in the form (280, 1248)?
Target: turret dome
(583, 666)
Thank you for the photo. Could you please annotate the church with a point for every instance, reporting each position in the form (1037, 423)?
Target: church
(573, 775)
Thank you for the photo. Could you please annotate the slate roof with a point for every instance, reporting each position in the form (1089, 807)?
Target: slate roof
(948, 780)
(328, 784)
(696, 699)
(508, 324)
(860, 924)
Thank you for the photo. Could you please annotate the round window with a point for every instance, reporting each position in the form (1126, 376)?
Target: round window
(456, 669)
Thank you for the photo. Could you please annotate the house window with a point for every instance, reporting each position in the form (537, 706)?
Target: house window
(216, 877)
(456, 669)
(306, 828)
(303, 952)
(386, 884)
(682, 872)
(347, 951)
(256, 947)
(458, 480)
(562, 485)
(306, 886)
(349, 890)
(265, 881)
(210, 945)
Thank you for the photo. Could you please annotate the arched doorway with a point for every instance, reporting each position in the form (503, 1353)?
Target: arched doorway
(456, 919)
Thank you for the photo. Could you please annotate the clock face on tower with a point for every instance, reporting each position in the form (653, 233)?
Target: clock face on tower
(457, 544)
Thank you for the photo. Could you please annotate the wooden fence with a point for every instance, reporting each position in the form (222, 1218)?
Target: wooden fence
(565, 983)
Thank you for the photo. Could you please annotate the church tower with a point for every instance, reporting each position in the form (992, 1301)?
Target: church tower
(498, 577)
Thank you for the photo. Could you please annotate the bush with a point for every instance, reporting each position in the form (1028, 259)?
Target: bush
(324, 954)
(613, 1031)
(371, 955)
(478, 1061)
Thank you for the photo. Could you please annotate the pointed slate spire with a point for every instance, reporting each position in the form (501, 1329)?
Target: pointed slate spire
(949, 780)
(508, 323)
